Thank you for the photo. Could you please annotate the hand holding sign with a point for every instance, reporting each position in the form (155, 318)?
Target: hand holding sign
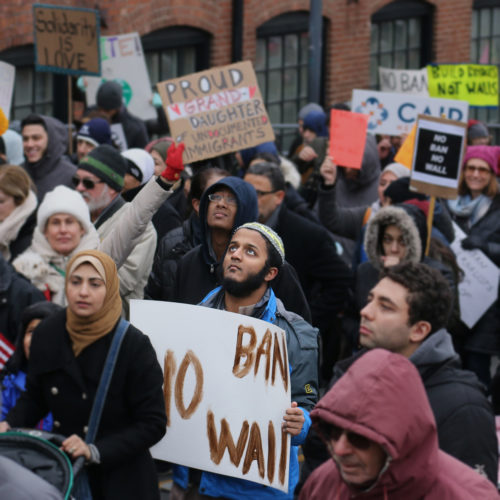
(347, 137)
(328, 170)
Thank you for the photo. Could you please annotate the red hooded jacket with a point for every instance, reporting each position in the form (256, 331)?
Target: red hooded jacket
(382, 397)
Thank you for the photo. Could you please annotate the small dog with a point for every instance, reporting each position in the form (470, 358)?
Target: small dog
(33, 267)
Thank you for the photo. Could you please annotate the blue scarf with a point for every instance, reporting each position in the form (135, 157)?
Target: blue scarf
(472, 209)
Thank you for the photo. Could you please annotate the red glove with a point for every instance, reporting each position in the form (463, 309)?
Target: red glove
(174, 162)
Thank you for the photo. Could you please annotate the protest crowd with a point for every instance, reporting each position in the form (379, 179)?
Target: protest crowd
(393, 395)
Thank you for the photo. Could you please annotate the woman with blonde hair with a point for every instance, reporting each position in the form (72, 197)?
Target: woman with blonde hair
(17, 211)
(68, 354)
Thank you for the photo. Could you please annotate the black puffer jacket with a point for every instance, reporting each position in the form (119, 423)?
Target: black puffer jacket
(16, 293)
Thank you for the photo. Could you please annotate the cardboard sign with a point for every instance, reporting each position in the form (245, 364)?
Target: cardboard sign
(475, 83)
(347, 137)
(7, 78)
(66, 40)
(479, 288)
(404, 81)
(395, 114)
(226, 386)
(439, 149)
(216, 111)
(122, 60)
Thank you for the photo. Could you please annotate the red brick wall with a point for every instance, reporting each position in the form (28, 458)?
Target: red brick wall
(347, 37)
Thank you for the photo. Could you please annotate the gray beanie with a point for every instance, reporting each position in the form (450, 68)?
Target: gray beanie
(109, 96)
(477, 130)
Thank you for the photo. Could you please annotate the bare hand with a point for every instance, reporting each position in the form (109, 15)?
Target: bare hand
(75, 447)
(4, 426)
(390, 260)
(294, 420)
(307, 153)
(328, 170)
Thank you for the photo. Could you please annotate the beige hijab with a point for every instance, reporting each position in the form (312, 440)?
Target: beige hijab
(83, 331)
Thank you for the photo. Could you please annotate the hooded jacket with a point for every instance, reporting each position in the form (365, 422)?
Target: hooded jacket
(382, 397)
(54, 167)
(198, 271)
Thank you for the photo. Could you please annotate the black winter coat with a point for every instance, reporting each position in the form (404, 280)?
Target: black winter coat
(133, 417)
(324, 277)
(485, 335)
(16, 293)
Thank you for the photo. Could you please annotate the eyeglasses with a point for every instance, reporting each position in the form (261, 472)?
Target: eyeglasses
(480, 170)
(230, 200)
(87, 183)
(263, 193)
(333, 432)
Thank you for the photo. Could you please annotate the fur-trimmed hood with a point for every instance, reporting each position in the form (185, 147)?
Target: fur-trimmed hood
(408, 224)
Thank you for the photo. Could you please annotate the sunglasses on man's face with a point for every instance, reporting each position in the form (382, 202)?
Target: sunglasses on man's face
(87, 183)
(334, 433)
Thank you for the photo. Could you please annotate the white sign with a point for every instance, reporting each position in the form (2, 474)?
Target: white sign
(479, 288)
(226, 386)
(122, 60)
(404, 81)
(395, 114)
(7, 78)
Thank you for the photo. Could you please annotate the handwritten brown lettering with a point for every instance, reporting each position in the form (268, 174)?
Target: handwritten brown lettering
(169, 371)
(217, 448)
(189, 359)
(254, 451)
(283, 456)
(244, 351)
(264, 349)
(279, 356)
(271, 450)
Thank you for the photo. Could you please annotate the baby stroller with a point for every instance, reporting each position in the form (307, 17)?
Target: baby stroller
(39, 452)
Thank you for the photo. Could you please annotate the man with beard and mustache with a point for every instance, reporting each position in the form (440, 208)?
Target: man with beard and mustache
(253, 258)
(99, 179)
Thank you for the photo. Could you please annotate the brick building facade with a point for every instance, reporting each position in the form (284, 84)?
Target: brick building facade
(192, 35)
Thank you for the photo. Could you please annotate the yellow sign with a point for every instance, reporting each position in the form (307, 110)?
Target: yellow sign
(475, 83)
(405, 152)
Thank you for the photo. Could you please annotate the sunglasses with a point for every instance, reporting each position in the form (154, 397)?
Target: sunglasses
(334, 433)
(87, 183)
(480, 170)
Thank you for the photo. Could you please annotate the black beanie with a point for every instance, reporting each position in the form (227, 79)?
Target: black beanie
(399, 191)
(109, 96)
(106, 163)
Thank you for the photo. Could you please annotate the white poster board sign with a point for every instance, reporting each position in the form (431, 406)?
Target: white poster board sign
(226, 386)
(395, 114)
(479, 288)
(404, 81)
(7, 78)
(122, 60)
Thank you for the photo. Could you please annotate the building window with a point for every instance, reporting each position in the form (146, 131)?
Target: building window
(174, 52)
(401, 34)
(281, 67)
(485, 49)
(33, 90)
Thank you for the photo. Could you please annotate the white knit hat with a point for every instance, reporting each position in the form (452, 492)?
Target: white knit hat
(398, 170)
(63, 200)
(143, 161)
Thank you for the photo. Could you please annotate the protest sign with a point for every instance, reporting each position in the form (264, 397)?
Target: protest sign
(475, 83)
(66, 40)
(122, 60)
(347, 137)
(395, 114)
(226, 386)
(438, 152)
(7, 78)
(404, 81)
(478, 289)
(216, 111)
(405, 152)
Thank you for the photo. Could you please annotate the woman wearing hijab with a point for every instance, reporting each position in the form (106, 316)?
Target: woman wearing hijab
(477, 212)
(66, 361)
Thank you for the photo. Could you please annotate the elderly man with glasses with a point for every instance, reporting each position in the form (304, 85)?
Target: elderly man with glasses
(381, 435)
